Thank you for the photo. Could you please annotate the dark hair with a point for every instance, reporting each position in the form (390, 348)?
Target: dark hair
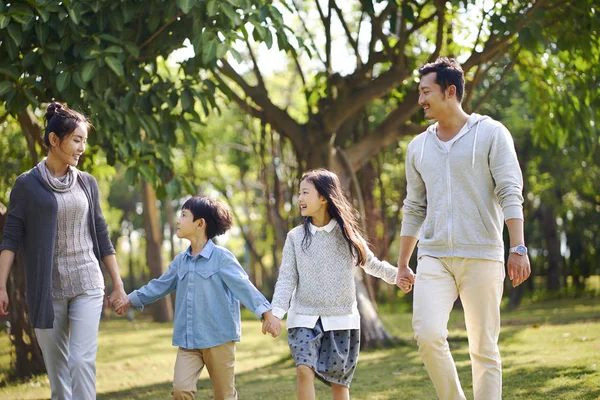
(215, 213)
(339, 208)
(447, 72)
(62, 121)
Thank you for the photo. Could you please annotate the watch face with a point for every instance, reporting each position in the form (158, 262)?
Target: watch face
(522, 250)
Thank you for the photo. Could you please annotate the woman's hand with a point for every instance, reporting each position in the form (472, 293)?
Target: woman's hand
(119, 301)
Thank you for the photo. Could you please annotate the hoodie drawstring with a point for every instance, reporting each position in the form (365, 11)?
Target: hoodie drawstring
(475, 144)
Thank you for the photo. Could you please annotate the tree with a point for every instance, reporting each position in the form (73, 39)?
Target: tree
(326, 131)
(108, 59)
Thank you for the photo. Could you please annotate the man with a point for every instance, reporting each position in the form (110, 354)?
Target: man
(463, 182)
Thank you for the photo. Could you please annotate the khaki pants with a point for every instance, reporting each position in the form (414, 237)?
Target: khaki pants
(479, 284)
(219, 361)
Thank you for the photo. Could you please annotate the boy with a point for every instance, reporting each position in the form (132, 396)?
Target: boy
(209, 281)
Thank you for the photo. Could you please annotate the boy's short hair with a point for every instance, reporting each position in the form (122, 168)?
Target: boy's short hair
(216, 214)
(448, 72)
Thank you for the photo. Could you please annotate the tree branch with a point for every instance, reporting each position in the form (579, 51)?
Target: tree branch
(259, 77)
(278, 118)
(159, 30)
(308, 32)
(497, 82)
(390, 130)
(359, 96)
(497, 44)
(353, 42)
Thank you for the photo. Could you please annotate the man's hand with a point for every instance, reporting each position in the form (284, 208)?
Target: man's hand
(405, 278)
(3, 303)
(518, 268)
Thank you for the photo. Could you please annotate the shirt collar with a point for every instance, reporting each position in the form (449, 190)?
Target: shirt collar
(206, 251)
(327, 228)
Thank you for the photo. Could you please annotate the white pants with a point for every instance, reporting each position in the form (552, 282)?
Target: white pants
(479, 283)
(70, 347)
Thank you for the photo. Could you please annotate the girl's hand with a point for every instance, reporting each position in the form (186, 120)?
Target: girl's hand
(271, 324)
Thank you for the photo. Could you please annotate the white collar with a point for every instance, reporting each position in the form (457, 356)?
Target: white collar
(327, 228)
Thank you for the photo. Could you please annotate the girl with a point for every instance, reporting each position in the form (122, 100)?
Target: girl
(316, 286)
(55, 218)
(210, 284)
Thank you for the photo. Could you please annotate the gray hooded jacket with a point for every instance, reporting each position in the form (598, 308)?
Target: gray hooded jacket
(458, 199)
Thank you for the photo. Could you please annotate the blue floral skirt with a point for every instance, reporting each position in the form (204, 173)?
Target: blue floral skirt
(332, 355)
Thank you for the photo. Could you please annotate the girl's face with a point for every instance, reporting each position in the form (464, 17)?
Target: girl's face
(71, 147)
(186, 226)
(310, 201)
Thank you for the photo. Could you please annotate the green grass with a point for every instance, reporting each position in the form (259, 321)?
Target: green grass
(550, 350)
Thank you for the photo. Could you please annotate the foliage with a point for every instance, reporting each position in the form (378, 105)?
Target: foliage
(107, 59)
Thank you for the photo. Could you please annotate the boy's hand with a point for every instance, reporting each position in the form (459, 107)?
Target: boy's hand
(271, 324)
(119, 302)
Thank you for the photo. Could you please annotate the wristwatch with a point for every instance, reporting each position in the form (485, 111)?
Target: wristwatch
(520, 250)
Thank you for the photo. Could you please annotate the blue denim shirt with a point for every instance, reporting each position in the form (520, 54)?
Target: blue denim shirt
(208, 285)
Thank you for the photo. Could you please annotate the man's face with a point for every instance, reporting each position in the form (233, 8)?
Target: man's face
(431, 97)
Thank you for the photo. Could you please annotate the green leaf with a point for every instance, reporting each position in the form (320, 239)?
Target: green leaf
(114, 64)
(78, 80)
(209, 51)
(75, 15)
(132, 49)
(221, 50)
(32, 99)
(187, 101)
(114, 50)
(88, 70)
(4, 20)
(110, 38)
(212, 8)
(268, 39)
(62, 81)
(131, 176)
(49, 61)
(29, 59)
(5, 87)
(42, 32)
(14, 31)
(236, 55)
(185, 5)
(11, 71)
(231, 14)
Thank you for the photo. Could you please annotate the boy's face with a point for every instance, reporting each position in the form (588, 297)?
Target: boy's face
(186, 226)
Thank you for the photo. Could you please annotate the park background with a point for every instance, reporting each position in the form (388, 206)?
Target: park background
(236, 98)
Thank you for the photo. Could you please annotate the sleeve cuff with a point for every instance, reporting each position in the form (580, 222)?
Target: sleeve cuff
(278, 312)
(135, 300)
(260, 310)
(511, 212)
(410, 230)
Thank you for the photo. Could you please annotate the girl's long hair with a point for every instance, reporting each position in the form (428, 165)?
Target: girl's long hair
(328, 185)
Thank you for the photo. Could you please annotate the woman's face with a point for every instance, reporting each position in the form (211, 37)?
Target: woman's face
(71, 147)
(310, 201)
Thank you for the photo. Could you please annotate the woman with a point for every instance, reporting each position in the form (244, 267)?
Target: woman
(56, 220)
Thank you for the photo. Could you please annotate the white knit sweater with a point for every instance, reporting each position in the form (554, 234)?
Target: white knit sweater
(322, 276)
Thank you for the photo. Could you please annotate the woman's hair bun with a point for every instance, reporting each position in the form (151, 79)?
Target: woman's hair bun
(52, 110)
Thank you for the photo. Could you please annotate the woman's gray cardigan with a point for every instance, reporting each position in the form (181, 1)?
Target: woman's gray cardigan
(31, 226)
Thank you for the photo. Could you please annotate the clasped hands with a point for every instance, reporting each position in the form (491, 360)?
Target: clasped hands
(271, 324)
(119, 301)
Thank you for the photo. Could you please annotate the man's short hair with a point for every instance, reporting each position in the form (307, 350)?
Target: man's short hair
(448, 72)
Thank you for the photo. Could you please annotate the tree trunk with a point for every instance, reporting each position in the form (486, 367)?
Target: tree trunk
(551, 237)
(28, 359)
(162, 310)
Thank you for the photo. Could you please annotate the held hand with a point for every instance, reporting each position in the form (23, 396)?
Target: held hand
(518, 268)
(405, 278)
(271, 324)
(119, 301)
(3, 303)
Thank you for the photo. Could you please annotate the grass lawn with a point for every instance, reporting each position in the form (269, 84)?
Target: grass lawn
(550, 350)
